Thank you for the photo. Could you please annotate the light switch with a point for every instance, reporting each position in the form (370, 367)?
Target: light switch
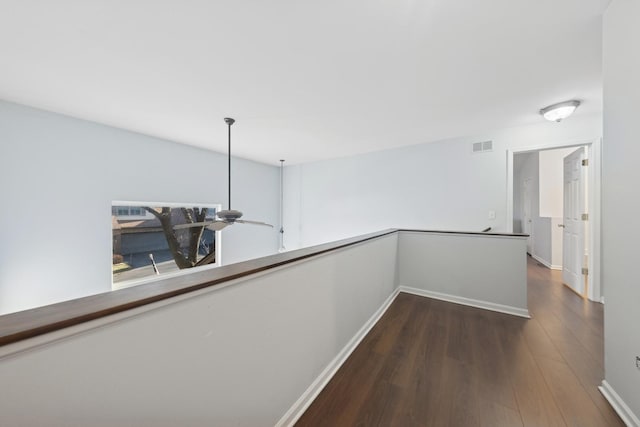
(492, 214)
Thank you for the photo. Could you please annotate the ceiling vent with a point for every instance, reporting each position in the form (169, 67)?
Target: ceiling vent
(481, 147)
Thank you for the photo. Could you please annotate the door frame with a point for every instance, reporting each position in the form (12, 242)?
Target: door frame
(594, 175)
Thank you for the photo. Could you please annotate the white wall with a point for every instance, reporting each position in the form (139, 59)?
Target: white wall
(526, 166)
(59, 176)
(621, 201)
(552, 181)
(439, 185)
(236, 355)
(556, 243)
(551, 175)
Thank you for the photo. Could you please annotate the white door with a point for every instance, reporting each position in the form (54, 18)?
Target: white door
(573, 236)
(527, 224)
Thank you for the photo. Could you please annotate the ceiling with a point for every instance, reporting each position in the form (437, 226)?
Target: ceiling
(304, 80)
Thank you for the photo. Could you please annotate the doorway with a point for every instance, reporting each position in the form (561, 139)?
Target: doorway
(524, 205)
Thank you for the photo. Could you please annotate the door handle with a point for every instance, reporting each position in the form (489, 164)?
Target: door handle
(561, 225)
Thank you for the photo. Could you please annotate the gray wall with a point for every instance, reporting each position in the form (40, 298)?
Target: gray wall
(236, 355)
(519, 162)
(250, 352)
(59, 176)
(621, 199)
(480, 270)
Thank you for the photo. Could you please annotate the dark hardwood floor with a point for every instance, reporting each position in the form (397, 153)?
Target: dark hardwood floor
(433, 363)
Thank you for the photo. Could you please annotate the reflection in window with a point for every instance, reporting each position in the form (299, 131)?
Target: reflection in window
(146, 244)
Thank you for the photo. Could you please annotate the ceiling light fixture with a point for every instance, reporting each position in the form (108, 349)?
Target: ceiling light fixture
(562, 110)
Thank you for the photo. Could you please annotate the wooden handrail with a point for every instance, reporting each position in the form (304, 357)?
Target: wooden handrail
(30, 323)
(481, 233)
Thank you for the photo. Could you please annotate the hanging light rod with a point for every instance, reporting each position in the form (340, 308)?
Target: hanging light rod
(229, 121)
(282, 248)
(227, 216)
(558, 112)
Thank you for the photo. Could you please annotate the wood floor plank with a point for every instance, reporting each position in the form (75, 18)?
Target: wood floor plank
(433, 363)
(585, 357)
(386, 337)
(491, 366)
(347, 394)
(539, 342)
(574, 402)
(537, 406)
(415, 333)
(420, 403)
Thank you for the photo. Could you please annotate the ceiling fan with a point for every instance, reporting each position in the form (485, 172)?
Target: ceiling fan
(228, 216)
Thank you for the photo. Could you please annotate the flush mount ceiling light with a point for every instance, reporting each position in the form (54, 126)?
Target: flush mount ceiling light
(562, 110)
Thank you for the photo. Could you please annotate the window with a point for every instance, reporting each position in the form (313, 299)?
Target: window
(154, 239)
(129, 211)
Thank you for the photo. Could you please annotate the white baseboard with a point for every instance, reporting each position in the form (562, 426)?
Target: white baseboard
(546, 263)
(515, 311)
(301, 405)
(629, 418)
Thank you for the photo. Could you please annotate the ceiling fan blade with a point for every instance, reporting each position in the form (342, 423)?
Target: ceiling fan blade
(192, 224)
(246, 221)
(217, 225)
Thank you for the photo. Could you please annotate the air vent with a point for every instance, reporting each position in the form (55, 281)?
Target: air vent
(481, 147)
